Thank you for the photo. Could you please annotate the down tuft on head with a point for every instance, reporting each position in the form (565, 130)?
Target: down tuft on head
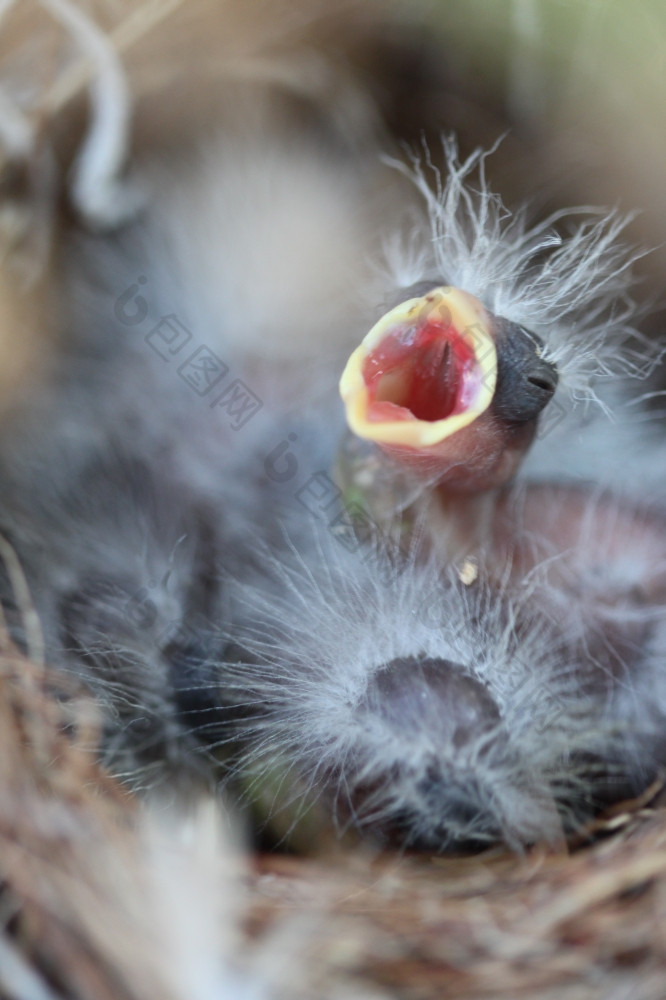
(568, 278)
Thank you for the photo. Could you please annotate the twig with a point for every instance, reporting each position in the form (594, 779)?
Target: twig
(97, 191)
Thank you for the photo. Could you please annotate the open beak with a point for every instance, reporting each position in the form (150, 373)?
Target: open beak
(441, 384)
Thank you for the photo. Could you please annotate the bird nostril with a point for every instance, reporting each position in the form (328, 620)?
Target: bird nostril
(437, 695)
(545, 385)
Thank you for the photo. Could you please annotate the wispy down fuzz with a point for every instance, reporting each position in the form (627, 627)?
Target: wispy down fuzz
(568, 278)
(433, 711)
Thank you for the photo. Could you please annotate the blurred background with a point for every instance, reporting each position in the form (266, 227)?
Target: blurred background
(577, 88)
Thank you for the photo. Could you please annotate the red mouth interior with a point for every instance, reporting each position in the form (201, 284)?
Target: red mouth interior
(418, 373)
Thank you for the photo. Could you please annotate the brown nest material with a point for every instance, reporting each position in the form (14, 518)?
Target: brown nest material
(582, 926)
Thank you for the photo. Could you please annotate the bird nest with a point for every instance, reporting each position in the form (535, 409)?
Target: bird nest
(105, 896)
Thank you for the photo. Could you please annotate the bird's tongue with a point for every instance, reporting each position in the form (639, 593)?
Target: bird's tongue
(420, 372)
